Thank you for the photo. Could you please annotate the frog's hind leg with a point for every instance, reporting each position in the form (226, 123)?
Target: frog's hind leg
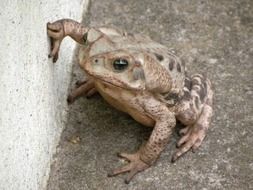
(85, 87)
(196, 114)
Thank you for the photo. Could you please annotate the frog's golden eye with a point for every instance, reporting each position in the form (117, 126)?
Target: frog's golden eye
(120, 64)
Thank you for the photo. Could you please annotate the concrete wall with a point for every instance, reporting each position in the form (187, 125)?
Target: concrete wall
(33, 90)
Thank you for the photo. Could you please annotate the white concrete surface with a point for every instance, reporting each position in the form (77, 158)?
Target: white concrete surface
(33, 90)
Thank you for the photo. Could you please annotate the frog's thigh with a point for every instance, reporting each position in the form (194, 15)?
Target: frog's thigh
(196, 115)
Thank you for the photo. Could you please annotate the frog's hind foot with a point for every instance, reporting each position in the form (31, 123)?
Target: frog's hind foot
(196, 115)
(84, 87)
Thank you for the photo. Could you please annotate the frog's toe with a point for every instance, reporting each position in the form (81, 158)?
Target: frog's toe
(191, 140)
(134, 166)
(55, 47)
(85, 88)
(70, 99)
(184, 130)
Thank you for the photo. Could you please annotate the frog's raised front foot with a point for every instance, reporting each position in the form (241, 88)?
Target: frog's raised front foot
(56, 33)
(85, 87)
(134, 166)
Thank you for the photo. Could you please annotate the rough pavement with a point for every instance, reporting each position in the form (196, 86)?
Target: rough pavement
(214, 37)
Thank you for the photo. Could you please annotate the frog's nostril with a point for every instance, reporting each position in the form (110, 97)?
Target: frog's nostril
(96, 60)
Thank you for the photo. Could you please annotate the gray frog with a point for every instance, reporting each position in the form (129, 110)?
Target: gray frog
(144, 79)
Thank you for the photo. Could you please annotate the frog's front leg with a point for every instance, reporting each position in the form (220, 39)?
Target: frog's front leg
(59, 29)
(149, 153)
(85, 87)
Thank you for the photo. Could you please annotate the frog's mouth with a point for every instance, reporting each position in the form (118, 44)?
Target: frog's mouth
(118, 84)
(124, 85)
(114, 85)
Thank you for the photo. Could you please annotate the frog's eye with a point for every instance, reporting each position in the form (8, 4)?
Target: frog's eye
(120, 64)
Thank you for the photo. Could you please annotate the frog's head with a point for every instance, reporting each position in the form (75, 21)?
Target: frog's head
(129, 70)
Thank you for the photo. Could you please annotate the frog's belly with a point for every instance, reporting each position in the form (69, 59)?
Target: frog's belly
(120, 100)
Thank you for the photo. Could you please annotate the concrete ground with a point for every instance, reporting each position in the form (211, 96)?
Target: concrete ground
(214, 37)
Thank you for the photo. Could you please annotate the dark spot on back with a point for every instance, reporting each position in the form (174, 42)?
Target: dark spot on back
(205, 85)
(170, 96)
(171, 64)
(179, 67)
(203, 92)
(187, 96)
(187, 83)
(85, 36)
(158, 57)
